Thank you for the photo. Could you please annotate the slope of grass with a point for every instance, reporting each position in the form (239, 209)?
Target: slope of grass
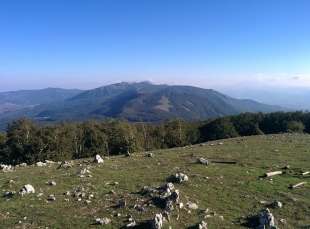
(231, 192)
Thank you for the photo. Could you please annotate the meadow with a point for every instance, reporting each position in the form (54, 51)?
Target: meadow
(228, 190)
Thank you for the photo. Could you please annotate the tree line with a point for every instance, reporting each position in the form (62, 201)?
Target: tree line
(25, 141)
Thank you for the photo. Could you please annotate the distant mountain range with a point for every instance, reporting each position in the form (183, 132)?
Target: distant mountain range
(296, 98)
(15, 100)
(132, 101)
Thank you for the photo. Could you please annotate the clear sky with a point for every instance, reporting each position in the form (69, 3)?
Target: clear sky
(91, 43)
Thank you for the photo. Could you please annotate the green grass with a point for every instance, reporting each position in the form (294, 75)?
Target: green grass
(233, 191)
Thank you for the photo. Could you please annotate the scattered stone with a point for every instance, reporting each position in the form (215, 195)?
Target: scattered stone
(181, 205)
(122, 203)
(40, 163)
(11, 193)
(157, 222)
(116, 183)
(22, 165)
(111, 192)
(150, 155)
(98, 159)
(67, 193)
(201, 225)
(83, 171)
(49, 162)
(127, 154)
(180, 177)
(66, 200)
(283, 221)
(53, 183)
(26, 189)
(202, 161)
(103, 221)
(192, 206)
(166, 216)
(51, 198)
(79, 192)
(129, 217)
(277, 204)
(91, 196)
(132, 224)
(65, 165)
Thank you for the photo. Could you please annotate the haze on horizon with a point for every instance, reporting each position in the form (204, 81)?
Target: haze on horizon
(88, 44)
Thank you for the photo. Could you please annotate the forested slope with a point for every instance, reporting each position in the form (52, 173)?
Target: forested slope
(25, 141)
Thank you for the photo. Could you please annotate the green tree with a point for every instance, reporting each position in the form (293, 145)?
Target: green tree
(220, 128)
(24, 142)
(295, 126)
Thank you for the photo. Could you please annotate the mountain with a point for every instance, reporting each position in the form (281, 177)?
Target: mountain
(141, 101)
(15, 100)
(292, 97)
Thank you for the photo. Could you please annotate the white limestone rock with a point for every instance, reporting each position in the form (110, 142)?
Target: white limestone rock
(26, 189)
(98, 159)
(157, 222)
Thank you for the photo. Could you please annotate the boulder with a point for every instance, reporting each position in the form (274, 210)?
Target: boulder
(98, 159)
(174, 197)
(6, 168)
(157, 222)
(267, 218)
(26, 189)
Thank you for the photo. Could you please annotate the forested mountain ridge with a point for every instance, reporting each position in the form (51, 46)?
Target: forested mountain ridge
(140, 101)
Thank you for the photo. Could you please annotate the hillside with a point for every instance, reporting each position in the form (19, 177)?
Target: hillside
(227, 192)
(142, 101)
(16, 100)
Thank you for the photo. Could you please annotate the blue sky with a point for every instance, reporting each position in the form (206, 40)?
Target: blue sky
(90, 43)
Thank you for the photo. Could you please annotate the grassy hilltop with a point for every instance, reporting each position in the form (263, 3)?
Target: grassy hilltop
(231, 192)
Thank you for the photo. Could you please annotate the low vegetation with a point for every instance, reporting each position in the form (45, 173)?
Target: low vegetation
(228, 190)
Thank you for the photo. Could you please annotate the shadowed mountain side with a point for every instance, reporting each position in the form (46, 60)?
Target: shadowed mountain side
(184, 102)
